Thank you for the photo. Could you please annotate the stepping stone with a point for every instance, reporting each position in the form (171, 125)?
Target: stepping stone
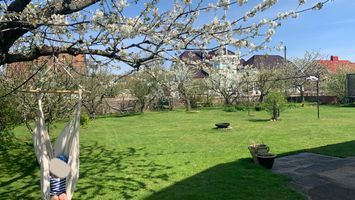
(319, 177)
(331, 191)
(344, 176)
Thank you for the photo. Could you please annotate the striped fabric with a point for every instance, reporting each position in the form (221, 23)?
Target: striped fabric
(58, 186)
(63, 158)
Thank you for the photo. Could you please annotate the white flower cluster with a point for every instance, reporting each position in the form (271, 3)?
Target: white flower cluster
(301, 2)
(223, 3)
(285, 15)
(265, 4)
(269, 33)
(126, 31)
(121, 4)
(58, 19)
(98, 16)
(318, 6)
(241, 2)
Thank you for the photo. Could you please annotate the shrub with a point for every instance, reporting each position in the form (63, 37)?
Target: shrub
(241, 107)
(274, 104)
(84, 119)
(258, 107)
(293, 105)
(209, 102)
(229, 109)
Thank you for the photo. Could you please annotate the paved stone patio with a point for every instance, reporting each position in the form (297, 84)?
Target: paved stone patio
(319, 177)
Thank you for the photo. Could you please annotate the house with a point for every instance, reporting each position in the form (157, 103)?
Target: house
(76, 63)
(265, 61)
(218, 58)
(334, 64)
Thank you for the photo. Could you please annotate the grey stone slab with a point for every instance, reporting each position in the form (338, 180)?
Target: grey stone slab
(316, 168)
(344, 176)
(331, 191)
(309, 182)
(283, 166)
(319, 177)
(291, 174)
(301, 163)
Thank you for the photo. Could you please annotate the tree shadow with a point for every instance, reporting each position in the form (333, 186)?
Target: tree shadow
(127, 173)
(259, 120)
(104, 173)
(344, 149)
(18, 167)
(122, 173)
(242, 179)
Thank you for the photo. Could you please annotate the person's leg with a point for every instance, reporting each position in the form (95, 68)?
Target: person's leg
(55, 197)
(63, 196)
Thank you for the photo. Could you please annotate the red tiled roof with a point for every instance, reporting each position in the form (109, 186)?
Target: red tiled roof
(334, 64)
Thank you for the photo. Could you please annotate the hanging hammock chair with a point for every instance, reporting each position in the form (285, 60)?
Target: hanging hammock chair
(65, 147)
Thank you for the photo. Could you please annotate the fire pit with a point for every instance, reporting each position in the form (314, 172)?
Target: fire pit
(223, 125)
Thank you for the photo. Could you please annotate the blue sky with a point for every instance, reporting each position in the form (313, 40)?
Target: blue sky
(330, 31)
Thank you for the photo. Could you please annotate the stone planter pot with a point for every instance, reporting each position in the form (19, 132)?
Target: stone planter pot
(258, 149)
(266, 160)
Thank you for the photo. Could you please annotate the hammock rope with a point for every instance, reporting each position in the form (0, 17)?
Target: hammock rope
(67, 144)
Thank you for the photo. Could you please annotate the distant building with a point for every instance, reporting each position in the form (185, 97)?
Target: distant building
(218, 58)
(76, 63)
(265, 61)
(334, 64)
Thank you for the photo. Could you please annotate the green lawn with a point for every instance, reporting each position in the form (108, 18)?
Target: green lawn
(178, 155)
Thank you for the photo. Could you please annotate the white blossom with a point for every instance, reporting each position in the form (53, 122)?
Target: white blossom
(98, 16)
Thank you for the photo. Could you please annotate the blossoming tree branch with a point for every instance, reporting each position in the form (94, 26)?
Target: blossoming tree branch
(134, 32)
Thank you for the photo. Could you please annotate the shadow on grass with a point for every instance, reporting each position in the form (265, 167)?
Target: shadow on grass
(235, 180)
(129, 114)
(344, 149)
(124, 174)
(104, 173)
(259, 120)
(243, 180)
(19, 166)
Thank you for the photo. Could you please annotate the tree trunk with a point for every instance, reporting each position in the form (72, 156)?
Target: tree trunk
(187, 103)
(275, 113)
(171, 103)
(261, 98)
(142, 105)
(182, 91)
(302, 94)
(227, 101)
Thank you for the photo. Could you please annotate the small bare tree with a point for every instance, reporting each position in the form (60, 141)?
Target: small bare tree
(301, 68)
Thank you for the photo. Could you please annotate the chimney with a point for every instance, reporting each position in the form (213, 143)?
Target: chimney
(334, 58)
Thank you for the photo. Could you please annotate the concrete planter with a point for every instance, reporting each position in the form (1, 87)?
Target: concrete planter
(258, 149)
(266, 160)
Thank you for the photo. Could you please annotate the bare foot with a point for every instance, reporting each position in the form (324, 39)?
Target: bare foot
(55, 197)
(63, 197)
